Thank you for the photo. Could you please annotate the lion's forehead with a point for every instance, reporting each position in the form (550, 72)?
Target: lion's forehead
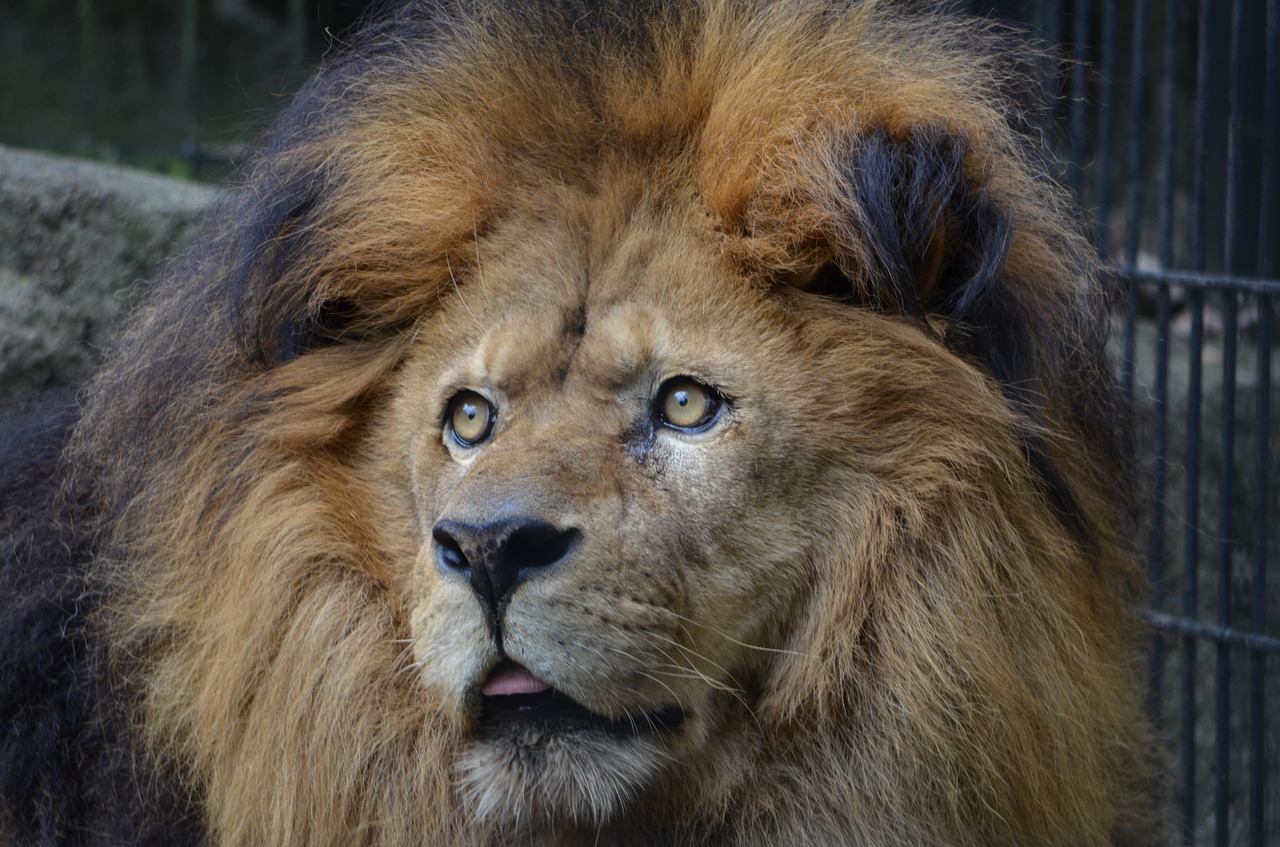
(648, 299)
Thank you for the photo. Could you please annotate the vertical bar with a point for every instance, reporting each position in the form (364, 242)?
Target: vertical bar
(1267, 222)
(1261, 501)
(1160, 437)
(1269, 214)
(1106, 126)
(1080, 34)
(1137, 133)
(1226, 466)
(1173, 10)
(1129, 339)
(1199, 228)
(1050, 25)
(1226, 484)
(1156, 554)
(1133, 224)
(1234, 142)
(1191, 538)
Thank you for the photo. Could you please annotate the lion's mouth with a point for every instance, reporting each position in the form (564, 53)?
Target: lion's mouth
(512, 697)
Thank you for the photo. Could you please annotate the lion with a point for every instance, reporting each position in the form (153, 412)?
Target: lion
(600, 423)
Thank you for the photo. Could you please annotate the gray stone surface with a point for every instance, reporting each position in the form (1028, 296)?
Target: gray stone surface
(78, 243)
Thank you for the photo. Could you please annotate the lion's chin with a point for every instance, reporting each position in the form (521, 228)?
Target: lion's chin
(555, 771)
(542, 755)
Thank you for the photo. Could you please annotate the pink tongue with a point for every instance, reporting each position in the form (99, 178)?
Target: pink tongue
(510, 678)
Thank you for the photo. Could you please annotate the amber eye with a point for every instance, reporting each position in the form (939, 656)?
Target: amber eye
(470, 418)
(684, 403)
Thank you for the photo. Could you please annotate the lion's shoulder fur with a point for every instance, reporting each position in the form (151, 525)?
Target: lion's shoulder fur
(245, 617)
(67, 771)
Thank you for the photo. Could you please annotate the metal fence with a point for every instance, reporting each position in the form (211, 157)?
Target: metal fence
(1171, 111)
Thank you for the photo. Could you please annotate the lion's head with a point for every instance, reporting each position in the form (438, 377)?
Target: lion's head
(657, 423)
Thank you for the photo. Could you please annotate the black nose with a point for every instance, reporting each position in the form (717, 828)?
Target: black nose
(499, 555)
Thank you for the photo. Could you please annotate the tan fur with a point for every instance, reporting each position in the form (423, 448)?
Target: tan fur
(856, 588)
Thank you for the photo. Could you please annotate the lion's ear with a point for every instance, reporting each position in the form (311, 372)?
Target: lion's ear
(914, 233)
(912, 230)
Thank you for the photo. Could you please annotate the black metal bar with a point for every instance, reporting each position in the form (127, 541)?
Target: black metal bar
(1128, 354)
(1195, 629)
(1191, 536)
(1261, 501)
(1267, 222)
(1205, 282)
(1137, 127)
(1235, 138)
(1191, 554)
(1269, 213)
(1201, 163)
(1106, 133)
(1173, 12)
(1226, 459)
(1079, 39)
(1226, 487)
(1160, 410)
(1106, 107)
(1050, 25)
(1199, 223)
(1160, 446)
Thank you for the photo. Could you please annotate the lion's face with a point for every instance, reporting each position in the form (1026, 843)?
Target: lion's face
(612, 473)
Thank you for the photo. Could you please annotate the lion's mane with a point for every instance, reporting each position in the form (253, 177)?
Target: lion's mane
(965, 670)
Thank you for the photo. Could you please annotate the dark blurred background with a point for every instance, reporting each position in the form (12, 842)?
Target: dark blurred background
(172, 85)
(181, 86)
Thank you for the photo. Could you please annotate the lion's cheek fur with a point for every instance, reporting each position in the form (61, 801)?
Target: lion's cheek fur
(999, 719)
(929, 549)
(276, 649)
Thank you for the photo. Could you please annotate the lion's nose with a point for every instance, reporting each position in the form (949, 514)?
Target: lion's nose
(499, 555)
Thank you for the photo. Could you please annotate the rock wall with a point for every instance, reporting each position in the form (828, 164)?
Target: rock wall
(78, 243)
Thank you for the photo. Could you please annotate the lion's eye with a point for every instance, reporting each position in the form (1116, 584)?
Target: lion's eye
(684, 403)
(470, 418)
